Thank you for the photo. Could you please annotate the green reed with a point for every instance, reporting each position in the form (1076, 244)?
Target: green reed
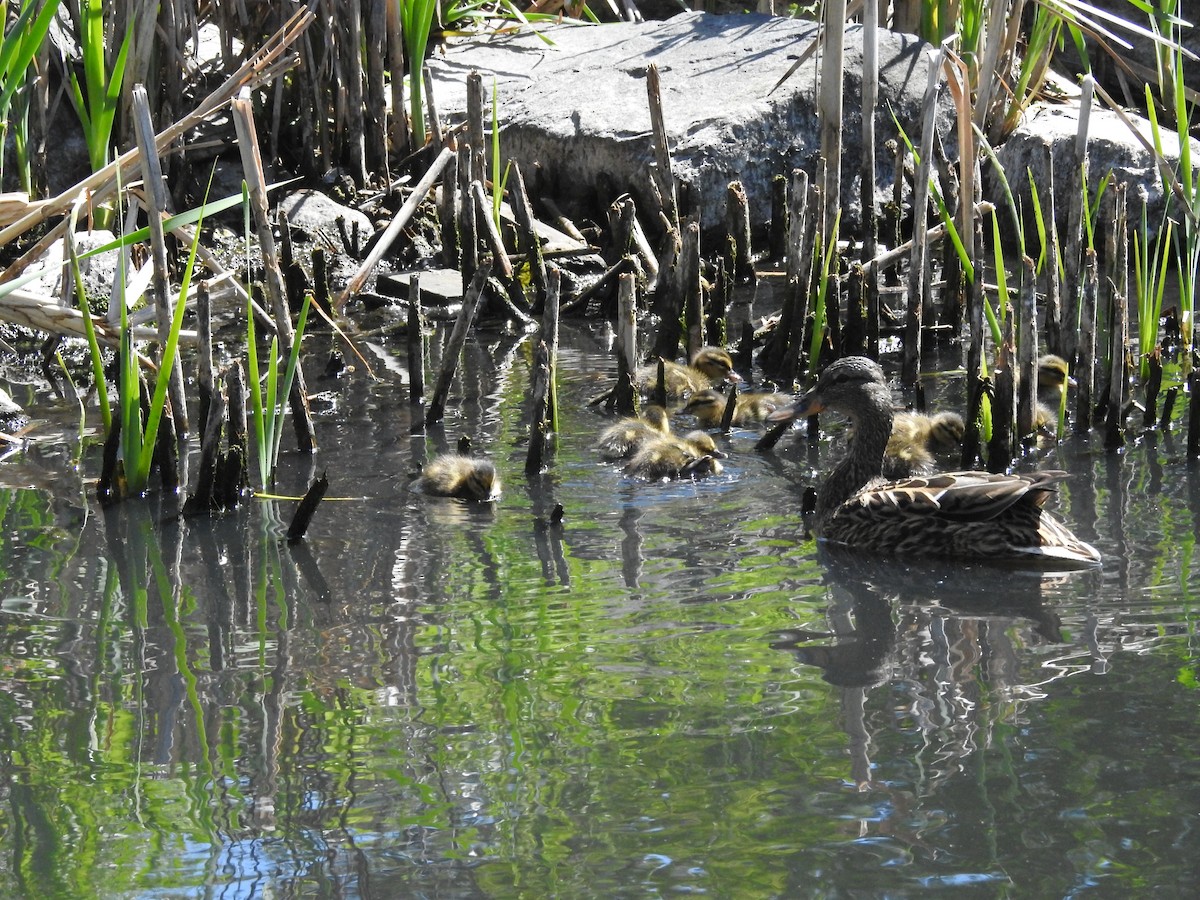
(17, 52)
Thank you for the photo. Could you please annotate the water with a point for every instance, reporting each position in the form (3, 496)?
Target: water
(673, 692)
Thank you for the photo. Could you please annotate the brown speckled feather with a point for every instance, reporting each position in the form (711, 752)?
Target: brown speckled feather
(961, 514)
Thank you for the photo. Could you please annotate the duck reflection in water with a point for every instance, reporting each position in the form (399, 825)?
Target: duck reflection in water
(928, 628)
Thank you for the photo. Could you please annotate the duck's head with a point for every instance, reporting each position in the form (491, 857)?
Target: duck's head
(850, 385)
(715, 363)
(657, 418)
(947, 430)
(1053, 372)
(702, 443)
(480, 481)
(707, 406)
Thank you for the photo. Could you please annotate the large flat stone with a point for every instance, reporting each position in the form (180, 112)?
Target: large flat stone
(579, 107)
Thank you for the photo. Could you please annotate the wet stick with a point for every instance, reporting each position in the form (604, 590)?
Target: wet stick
(689, 286)
(353, 143)
(517, 305)
(918, 285)
(402, 143)
(156, 198)
(1027, 346)
(868, 178)
(458, 337)
(1114, 429)
(795, 302)
(624, 395)
(468, 231)
(663, 174)
(1193, 435)
(730, 409)
(201, 499)
(243, 119)
(1073, 260)
(476, 101)
(974, 380)
(829, 110)
(550, 319)
(447, 205)
(307, 508)
(538, 430)
(1054, 312)
(234, 474)
(416, 342)
(1085, 372)
(375, 88)
(204, 357)
(433, 120)
(528, 241)
(802, 287)
(1152, 386)
(399, 221)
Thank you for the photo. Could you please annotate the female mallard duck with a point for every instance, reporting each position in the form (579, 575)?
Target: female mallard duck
(914, 440)
(454, 475)
(692, 456)
(1053, 377)
(622, 440)
(710, 366)
(708, 406)
(973, 515)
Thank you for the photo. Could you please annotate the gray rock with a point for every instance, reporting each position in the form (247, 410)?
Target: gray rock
(1049, 130)
(314, 213)
(579, 107)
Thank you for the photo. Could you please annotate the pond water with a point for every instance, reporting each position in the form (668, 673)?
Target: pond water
(672, 692)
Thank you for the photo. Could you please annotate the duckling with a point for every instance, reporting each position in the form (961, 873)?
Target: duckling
(622, 440)
(916, 438)
(454, 475)
(708, 406)
(710, 366)
(692, 456)
(1053, 378)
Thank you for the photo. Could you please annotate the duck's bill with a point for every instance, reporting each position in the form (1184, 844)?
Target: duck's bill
(808, 405)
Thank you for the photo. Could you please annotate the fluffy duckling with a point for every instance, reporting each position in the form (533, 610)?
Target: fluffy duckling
(1054, 376)
(622, 440)
(692, 456)
(916, 438)
(708, 406)
(455, 475)
(710, 366)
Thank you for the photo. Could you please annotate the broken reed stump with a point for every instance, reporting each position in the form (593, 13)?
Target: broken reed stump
(468, 231)
(1114, 429)
(550, 330)
(201, 500)
(1152, 387)
(458, 337)
(1085, 372)
(528, 242)
(737, 224)
(307, 508)
(157, 202)
(416, 342)
(538, 425)
(243, 119)
(204, 354)
(777, 236)
(624, 396)
(730, 409)
(1193, 435)
(1027, 351)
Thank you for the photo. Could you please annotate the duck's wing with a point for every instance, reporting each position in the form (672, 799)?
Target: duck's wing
(960, 496)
